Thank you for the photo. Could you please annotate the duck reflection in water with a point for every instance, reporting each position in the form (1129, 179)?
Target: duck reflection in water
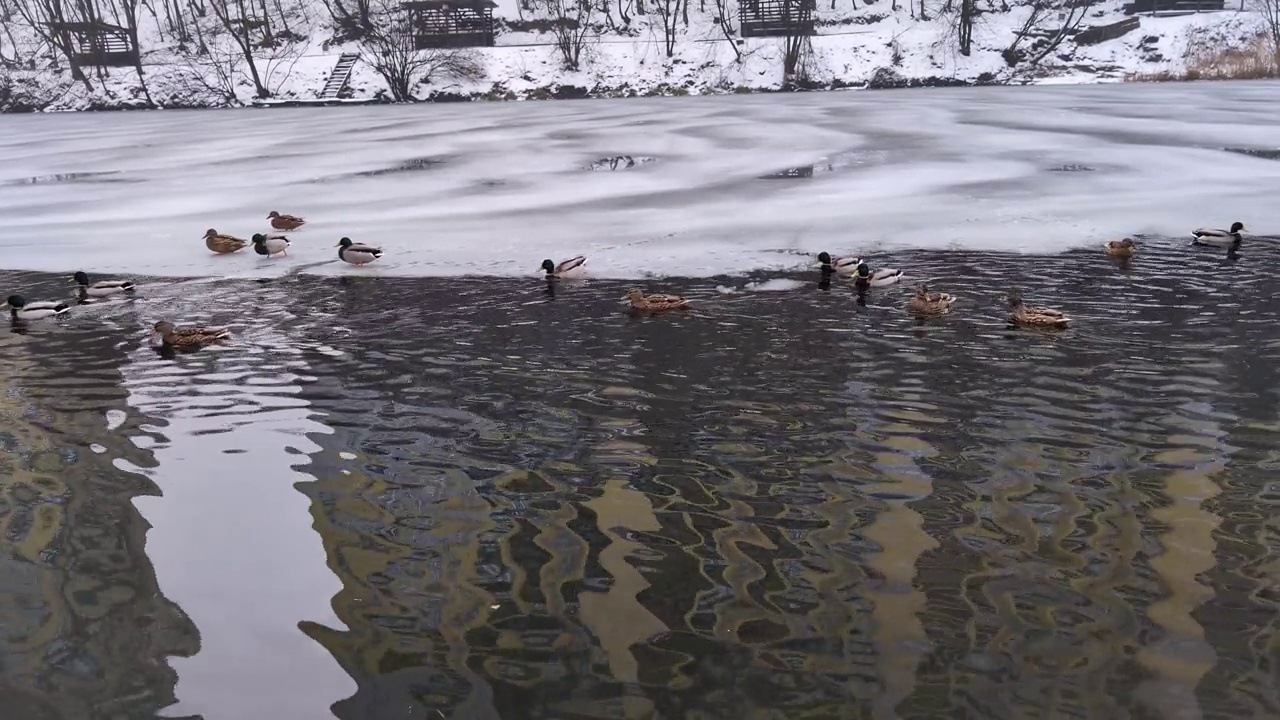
(824, 282)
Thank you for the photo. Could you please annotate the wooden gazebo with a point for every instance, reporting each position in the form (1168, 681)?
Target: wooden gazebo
(100, 44)
(776, 18)
(450, 23)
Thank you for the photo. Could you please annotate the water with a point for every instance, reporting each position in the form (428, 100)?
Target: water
(719, 185)
(409, 498)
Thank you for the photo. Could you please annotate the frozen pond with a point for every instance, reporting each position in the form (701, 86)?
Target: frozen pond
(687, 186)
(398, 498)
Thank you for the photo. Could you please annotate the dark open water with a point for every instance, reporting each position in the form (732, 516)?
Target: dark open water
(779, 505)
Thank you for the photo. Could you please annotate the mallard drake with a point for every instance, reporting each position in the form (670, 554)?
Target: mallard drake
(268, 245)
(569, 269)
(1125, 248)
(655, 303)
(357, 254)
(876, 278)
(20, 309)
(187, 338)
(1218, 238)
(285, 222)
(1024, 314)
(841, 266)
(102, 288)
(223, 244)
(929, 303)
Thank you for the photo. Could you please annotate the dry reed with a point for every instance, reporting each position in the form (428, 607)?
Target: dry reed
(1255, 60)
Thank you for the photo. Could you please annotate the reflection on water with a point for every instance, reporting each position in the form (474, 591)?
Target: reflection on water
(779, 504)
(84, 630)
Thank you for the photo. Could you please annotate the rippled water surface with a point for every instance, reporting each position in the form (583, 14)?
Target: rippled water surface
(395, 498)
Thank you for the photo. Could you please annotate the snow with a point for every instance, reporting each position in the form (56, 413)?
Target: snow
(853, 45)
(493, 188)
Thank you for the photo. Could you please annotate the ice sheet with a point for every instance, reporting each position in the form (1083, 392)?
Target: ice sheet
(492, 189)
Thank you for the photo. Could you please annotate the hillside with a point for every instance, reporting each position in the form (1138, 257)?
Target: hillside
(197, 55)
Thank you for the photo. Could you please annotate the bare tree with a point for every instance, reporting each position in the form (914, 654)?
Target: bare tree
(7, 23)
(390, 48)
(723, 19)
(1072, 13)
(125, 14)
(964, 29)
(352, 18)
(797, 47)
(235, 46)
(570, 22)
(1270, 11)
(46, 19)
(667, 12)
(245, 26)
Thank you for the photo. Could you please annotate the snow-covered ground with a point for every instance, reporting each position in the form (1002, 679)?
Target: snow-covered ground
(854, 45)
(493, 188)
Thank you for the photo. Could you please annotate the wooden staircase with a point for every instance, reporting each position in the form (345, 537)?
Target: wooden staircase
(339, 77)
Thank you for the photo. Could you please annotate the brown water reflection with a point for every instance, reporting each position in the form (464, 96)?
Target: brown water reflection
(84, 630)
(783, 504)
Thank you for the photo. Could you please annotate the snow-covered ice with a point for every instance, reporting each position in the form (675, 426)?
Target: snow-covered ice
(492, 189)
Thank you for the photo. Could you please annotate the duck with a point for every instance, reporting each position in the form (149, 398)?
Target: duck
(189, 338)
(572, 268)
(929, 303)
(223, 244)
(285, 222)
(1024, 314)
(1125, 248)
(655, 303)
(877, 278)
(1218, 238)
(268, 245)
(102, 288)
(20, 309)
(357, 254)
(841, 266)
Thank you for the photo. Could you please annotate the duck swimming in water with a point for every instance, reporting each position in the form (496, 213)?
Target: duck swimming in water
(1219, 238)
(1024, 314)
(20, 309)
(655, 303)
(102, 288)
(843, 267)
(569, 269)
(1125, 248)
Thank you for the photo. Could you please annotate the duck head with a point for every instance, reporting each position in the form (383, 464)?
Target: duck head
(80, 278)
(549, 266)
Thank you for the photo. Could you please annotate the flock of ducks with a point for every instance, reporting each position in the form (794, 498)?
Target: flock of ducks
(273, 244)
(166, 333)
(922, 302)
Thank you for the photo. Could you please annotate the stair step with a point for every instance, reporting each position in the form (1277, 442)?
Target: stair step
(340, 75)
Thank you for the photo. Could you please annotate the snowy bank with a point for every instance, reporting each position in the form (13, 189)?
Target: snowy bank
(876, 45)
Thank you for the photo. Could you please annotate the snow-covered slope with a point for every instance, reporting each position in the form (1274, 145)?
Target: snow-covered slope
(854, 46)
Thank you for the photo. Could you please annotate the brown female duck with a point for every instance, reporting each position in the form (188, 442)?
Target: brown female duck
(655, 303)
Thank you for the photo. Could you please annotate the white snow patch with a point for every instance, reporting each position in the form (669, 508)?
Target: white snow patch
(1036, 169)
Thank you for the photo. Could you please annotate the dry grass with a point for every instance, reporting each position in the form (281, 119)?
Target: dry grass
(1256, 60)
